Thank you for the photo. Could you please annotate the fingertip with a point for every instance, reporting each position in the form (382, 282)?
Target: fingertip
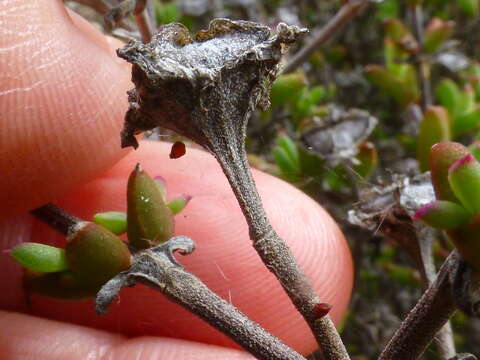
(64, 100)
(23, 336)
(224, 258)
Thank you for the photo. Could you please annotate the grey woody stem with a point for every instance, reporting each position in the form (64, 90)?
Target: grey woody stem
(157, 268)
(56, 218)
(428, 316)
(273, 250)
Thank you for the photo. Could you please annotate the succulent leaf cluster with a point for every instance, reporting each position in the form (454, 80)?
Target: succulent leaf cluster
(94, 252)
(456, 180)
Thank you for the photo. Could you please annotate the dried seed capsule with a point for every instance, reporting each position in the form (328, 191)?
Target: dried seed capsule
(150, 221)
(95, 255)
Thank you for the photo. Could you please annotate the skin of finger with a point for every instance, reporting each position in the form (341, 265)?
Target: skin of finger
(29, 337)
(63, 94)
(224, 259)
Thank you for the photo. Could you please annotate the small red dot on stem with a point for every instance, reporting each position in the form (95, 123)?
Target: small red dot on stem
(321, 309)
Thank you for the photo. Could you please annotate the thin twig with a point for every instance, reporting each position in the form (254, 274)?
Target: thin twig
(143, 20)
(56, 218)
(430, 313)
(139, 9)
(421, 65)
(342, 17)
(273, 250)
(158, 269)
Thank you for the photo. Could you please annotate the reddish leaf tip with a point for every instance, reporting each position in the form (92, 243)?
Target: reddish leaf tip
(187, 198)
(469, 158)
(421, 212)
(160, 179)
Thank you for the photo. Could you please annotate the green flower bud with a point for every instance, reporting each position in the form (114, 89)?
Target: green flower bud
(40, 257)
(464, 179)
(150, 221)
(436, 33)
(178, 204)
(444, 215)
(115, 221)
(434, 128)
(442, 156)
(95, 255)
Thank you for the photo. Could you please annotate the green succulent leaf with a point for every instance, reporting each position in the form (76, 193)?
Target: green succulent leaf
(115, 221)
(434, 128)
(167, 13)
(40, 257)
(469, 7)
(436, 33)
(287, 158)
(475, 149)
(442, 156)
(403, 89)
(178, 204)
(445, 215)
(467, 122)
(449, 95)
(464, 179)
(286, 88)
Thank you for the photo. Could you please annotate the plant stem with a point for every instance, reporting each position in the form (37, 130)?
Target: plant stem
(273, 251)
(157, 268)
(143, 21)
(430, 313)
(342, 17)
(421, 66)
(56, 218)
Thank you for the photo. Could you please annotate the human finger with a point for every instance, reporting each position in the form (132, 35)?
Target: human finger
(224, 259)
